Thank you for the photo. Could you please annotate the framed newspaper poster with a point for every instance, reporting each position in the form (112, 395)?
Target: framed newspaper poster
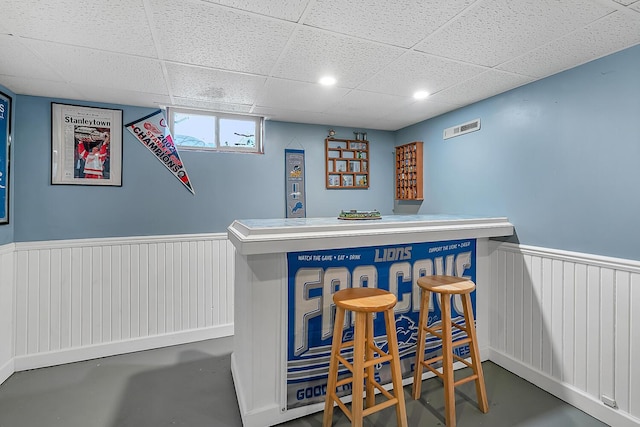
(86, 145)
(5, 132)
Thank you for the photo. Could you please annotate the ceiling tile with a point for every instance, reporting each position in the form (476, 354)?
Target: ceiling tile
(369, 104)
(92, 67)
(19, 61)
(596, 40)
(483, 86)
(397, 23)
(118, 96)
(313, 53)
(418, 111)
(280, 93)
(291, 10)
(114, 25)
(492, 32)
(205, 84)
(418, 71)
(39, 87)
(209, 105)
(214, 36)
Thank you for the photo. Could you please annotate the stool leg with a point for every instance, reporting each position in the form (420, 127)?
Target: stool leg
(333, 368)
(358, 369)
(370, 391)
(396, 374)
(447, 362)
(422, 336)
(475, 354)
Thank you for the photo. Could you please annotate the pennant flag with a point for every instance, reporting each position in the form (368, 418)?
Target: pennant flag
(152, 131)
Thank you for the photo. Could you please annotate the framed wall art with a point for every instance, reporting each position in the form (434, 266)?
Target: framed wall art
(86, 145)
(5, 139)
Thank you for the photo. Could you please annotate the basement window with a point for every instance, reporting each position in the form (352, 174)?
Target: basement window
(212, 131)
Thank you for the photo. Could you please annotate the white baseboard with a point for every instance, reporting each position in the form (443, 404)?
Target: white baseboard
(52, 358)
(566, 392)
(6, 371)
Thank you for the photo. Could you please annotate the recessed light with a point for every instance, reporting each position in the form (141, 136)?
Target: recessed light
(421, 94)
(327, 81)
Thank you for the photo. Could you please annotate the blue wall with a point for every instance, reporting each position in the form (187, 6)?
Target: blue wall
(152, 201)
(559, 157)
(6, 230)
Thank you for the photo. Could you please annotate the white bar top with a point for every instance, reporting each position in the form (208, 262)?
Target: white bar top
(256, 236)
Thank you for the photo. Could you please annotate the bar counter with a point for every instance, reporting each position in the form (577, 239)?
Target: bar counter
(286, 271)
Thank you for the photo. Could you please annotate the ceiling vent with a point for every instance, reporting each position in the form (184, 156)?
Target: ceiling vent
(471, 126)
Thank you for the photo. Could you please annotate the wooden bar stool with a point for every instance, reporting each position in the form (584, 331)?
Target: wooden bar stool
(363, 302)
(446, 287)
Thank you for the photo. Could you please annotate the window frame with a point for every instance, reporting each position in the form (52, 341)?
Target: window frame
(258, 120)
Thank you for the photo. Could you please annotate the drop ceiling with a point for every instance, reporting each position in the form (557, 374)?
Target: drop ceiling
(265, 57)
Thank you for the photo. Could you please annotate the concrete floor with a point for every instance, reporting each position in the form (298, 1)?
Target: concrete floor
(191, 385)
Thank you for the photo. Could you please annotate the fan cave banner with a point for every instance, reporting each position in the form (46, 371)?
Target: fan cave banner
(152, 131)
(313, 277)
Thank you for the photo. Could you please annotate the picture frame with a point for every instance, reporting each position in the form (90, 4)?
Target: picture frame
(5, 144)
(86, 145)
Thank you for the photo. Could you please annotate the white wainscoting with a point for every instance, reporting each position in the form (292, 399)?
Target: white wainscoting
(6, 311)
(81, 299)
(569, 323)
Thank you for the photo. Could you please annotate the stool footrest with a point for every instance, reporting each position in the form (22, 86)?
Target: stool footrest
(380, 406)
(383, 357)
(465, 380)
(391, 399)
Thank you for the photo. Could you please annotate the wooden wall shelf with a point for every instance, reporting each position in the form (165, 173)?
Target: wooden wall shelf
(409, 171)
(347, 162)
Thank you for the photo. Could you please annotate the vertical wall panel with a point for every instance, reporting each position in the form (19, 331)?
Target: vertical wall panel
(501, 298)
(557, 306)
(7, 314)
(509, 303)
(527, 311)
(536, 323)
(143, 290)
(578, 319)
(71, 294)
(207, 300)
(567, 286)
(580, 331)
(116, 293)
(607, 333)
(228, 278)
(547, 315)
(54, 303)
(593, 328)
(76, 296)
(518, 333)
(106, 295)
(634, 347)
(43, 306)
(33, 314)
(125, 291)
(96, 295)
(622, 339)
(65, 298)
(86, 290)
(160, 277)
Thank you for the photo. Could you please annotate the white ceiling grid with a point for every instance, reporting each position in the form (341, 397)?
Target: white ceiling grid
(265, 57)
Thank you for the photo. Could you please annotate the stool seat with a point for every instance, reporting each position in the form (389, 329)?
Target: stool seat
(446, 287)
(364, 302)
(446, 284)
(367, 300)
